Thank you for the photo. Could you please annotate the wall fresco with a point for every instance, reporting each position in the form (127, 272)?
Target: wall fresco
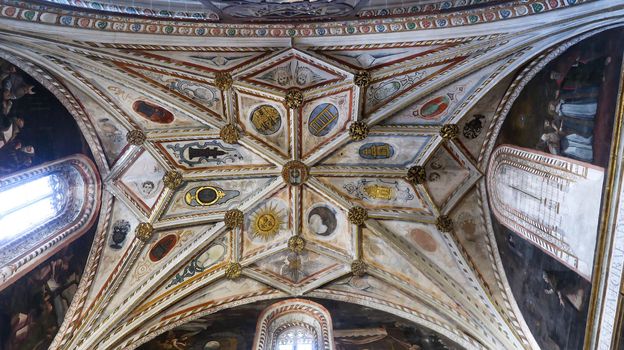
(34, 126)
(31, 320)
(564, 115)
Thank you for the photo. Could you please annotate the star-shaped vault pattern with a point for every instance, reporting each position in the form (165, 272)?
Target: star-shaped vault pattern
(259, 173)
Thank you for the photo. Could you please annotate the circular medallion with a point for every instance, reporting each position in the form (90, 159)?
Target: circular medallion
(433, 108)
(295, 173)
(322, 220)
(267, 222)
(323, 118)
(266, 120)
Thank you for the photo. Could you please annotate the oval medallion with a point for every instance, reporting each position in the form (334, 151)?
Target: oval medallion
(323, 118)
(376, 150)
(433, 108)
(162, 247)
(266, 120)
(208, 195)
(152, 112)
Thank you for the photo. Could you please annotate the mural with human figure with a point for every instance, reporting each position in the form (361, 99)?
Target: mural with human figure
(560, 127)
(235, 328)
(34, 126)
(33, 308)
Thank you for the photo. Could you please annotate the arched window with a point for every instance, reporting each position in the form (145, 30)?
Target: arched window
(295, 324)
(30, 204)
(42, 209)
(296, 338)
(551, 201)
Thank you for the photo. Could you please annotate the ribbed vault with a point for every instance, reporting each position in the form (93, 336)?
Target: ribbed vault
(307, 166)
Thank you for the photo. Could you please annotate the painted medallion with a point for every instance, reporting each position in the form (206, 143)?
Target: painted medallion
(434, 107)
(152, 112)
(208, 195)
(266, 120)
(323, 119)
(267, 222)
(376, 150)
(322, 220)
(162, 247)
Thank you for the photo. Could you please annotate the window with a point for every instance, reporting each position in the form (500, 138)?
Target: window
(296, 338)
(294, 324)
(42, 208)
(30, 204)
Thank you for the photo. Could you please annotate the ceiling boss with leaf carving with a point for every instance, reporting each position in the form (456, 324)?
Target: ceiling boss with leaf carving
(249, 162)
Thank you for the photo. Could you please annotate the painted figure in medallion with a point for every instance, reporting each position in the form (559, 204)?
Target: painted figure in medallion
(267, 222)
(322, 220)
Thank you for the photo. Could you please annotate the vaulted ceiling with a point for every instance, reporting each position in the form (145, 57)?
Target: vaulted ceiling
(356, 162)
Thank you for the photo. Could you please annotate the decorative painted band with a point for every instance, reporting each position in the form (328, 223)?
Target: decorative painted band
(24, 11)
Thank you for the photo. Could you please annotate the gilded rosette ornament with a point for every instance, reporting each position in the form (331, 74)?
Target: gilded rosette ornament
(233, 270)
(358, 268)
(295, 173)
(172, 179)
(357, 215)
(223, 80)
(444, 223)
(416, 175)
(296, 244)
(229, 134)
(233, 219)
(358, 131)
(135, 137)
(362, 79)
(293, 98)
(449, 131)
(144, 231)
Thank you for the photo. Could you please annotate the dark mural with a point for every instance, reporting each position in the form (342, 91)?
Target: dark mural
(34, 126)
(234, 329)
(33, 308)
(566, 110)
